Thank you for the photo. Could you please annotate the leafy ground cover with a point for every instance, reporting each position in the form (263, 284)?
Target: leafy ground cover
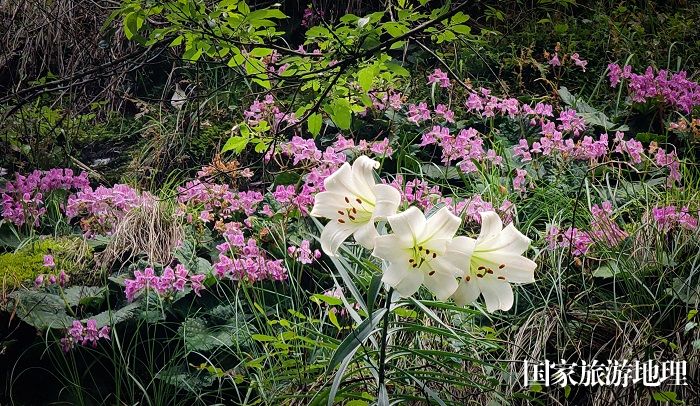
(396, 202)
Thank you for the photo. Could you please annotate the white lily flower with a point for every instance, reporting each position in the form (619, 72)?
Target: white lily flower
(353, 201)
(496, 261)
(420, 251)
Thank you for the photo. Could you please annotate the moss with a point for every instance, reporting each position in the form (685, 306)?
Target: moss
(26, 263)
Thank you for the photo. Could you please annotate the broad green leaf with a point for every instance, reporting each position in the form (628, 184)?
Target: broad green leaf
(76, 295)
(112, 317)
(199, 337)
(40, 310)
(236, 144)
(191, 381)
(395, 29)
(177, 41)
(341, 113)
(365, 77)
(260, 52)
(314, 123)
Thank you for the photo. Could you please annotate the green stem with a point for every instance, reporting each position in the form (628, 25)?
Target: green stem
(382, 349)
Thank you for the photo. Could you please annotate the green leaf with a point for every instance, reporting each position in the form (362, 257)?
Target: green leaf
(185, 380)
(263, 338)
(236, 144)
(265, 13)
(199, 337)
(355, 338)
(606, 270)
(329, 300)
(666, 396)
(40, 310)
(192, 54)
(260, 52)
(112, 317)
(314, 123)
(365, 77)
(177, 41)
(341, 113)
(334, 319)
(373, 291)
(397, 69)
(461, 29)
(459, 18)
(76, 295)
(132, 24)
(261, 146)
(236, 60)
(395, 29)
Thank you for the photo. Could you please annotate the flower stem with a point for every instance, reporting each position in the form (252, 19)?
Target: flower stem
(382, 349)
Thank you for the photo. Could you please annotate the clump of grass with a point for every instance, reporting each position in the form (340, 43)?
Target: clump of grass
(151, 230)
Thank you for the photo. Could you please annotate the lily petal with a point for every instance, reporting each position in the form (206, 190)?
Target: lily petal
(442, 224)
(389, 247)
(498, 294)
(518, 269)
(442, 282)
(460, 250)
(327, 204)
(467, 292)
(408, 225)
(491, 225)
(405, 281)
(387, 201)
(363, 175)
(366, 234)
(333, 235)
(508, 240)
(340, 181)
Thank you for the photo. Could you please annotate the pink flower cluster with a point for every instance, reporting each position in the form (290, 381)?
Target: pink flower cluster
(51, 279)
(670, 161)
(418, 192)
(384, 99)
(581, 63)
(554, 60)
(214, 201)
(633, 148)
(267, 110)
(247, 262)
(603, 230)
(519, 180)
(487, 105)
(381, 148)
(23, 198)
(418, 113)
(100, 210)
(303, 253)
(439, 77)
(603, 227)
(675, 89)
(466, 148)
(578, 241)
(170, 281)
(311, 15)
(84, 334)
(669, 217)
